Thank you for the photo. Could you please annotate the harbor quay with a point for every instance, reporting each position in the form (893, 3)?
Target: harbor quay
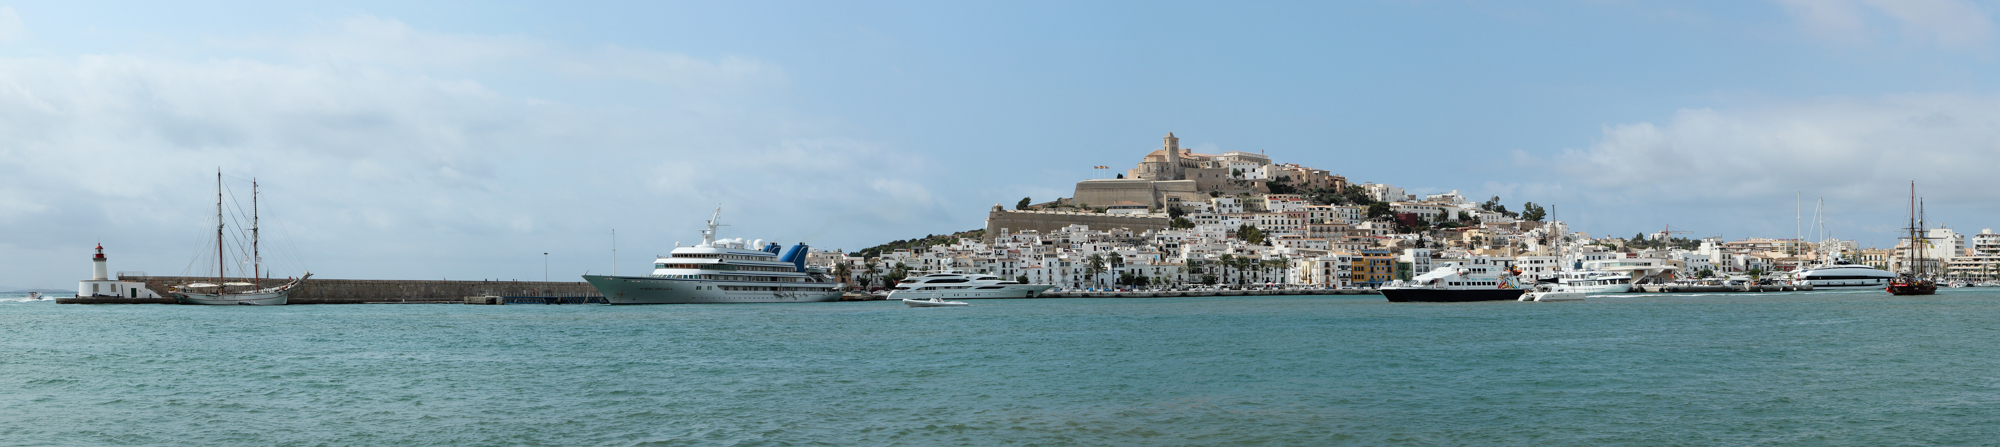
(365, 291)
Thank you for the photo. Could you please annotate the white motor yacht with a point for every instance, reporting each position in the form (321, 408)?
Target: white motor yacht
(963, 286)
(1551, 293)
(1595, 281)
(1842, 275)
(934, 302)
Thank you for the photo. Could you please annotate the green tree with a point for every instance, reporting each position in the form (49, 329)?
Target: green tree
(1705, 273)
(1378, 209)
(1532, 212)
(1180, 223)
(1023, 204)
(1250, 233)
(1094, 266)
(1226, 262)
(842, 273)
(868, 272)
(1281, 185)
(1207, 280)
(897, 274)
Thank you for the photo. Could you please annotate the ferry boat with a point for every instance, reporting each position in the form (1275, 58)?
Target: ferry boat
(964, 286)
(1479, 279)
(723, 271)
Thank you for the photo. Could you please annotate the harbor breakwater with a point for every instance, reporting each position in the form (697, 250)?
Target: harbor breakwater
(366, 291)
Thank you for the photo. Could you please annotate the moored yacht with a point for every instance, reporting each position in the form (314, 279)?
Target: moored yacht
(723, 271)
(1478, 279)
(964, 286)
(1841, 275)
(1595, 281)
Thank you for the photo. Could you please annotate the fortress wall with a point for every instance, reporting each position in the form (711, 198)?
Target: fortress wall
(354, 291)
(1101, 193)
(1047, 221)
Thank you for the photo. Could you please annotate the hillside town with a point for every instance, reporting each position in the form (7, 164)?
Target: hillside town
(1238, 219)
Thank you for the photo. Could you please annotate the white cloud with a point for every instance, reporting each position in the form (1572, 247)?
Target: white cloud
(11, 28)
(1859, 153)
(1948, 23)
(381, 168)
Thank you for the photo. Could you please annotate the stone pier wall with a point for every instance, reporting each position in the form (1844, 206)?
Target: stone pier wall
(354, 291)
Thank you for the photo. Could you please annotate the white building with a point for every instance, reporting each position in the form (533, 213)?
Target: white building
(100, 283)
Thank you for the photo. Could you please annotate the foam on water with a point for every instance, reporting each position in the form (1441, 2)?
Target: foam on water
(1790, 368)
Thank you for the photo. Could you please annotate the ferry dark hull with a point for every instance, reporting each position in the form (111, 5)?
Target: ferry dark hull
(1450, 296)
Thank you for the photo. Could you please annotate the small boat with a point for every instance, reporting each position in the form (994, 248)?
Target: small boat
(35, 295)
(1551, 293)
(934, 302)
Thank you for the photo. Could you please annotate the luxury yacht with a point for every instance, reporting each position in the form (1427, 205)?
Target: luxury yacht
(723, 271)
(961, 285)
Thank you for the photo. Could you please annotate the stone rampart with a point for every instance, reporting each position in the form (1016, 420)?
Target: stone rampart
(356, 291)
(1047, 221)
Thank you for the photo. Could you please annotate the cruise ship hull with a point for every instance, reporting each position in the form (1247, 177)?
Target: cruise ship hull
(1420, 295)
(650, 290)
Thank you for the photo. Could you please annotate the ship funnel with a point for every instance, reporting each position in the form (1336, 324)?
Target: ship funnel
(772, 248)
(796, 256)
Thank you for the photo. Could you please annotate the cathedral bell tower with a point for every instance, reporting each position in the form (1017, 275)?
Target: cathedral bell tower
(1173, 149)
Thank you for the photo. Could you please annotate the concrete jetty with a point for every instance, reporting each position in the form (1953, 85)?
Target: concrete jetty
(367, 291)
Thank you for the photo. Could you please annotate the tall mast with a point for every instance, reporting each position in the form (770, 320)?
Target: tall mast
(256, 260)
(219, 274)
(1910, 254)
(1923, 232)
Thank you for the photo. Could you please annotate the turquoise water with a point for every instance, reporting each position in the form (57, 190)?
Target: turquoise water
(1839, 368)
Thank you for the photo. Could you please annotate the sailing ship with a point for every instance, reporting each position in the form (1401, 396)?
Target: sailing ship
(1915, 279)
(225, 292)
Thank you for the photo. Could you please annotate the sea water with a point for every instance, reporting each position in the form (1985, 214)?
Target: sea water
(1843, 368)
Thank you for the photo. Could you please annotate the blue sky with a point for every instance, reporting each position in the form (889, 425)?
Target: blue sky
(463, 139)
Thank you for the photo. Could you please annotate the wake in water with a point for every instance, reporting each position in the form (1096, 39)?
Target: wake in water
(25, 298)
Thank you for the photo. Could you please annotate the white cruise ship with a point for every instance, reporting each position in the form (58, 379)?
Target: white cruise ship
(963, 286)
(723, 271)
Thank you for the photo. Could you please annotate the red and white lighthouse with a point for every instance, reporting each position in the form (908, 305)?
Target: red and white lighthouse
(97, 270)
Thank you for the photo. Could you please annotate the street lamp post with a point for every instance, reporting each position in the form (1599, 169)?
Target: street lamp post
(545, 270)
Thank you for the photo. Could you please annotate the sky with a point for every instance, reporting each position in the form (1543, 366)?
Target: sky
(463, 140)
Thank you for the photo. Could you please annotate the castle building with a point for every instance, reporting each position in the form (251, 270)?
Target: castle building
(1174, 174)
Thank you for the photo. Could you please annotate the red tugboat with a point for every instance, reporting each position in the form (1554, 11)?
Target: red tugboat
(1914, 281)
